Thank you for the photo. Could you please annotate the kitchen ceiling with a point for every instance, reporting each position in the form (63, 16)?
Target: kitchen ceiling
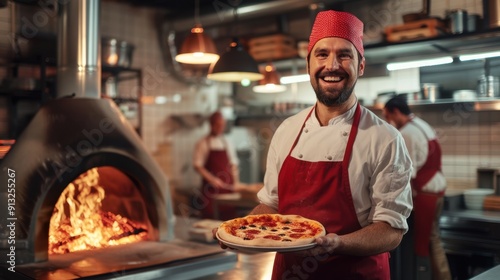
(257, 8)
(185, 8)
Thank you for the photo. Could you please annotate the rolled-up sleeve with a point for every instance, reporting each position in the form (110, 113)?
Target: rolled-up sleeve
(391, 191)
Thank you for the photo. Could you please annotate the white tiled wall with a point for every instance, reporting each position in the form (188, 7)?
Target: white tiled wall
(469, 140)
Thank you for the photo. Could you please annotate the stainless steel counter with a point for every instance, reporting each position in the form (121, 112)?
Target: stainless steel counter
(249, 267)
(471, 239)
(491, 274)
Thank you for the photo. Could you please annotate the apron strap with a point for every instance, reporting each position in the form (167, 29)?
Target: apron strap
(300, 131)
(352, 137)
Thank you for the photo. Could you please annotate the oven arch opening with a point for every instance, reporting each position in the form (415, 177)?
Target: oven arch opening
(150, 189)
(100, 208)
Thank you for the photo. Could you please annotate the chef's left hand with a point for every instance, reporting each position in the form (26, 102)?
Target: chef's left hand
(326, 245)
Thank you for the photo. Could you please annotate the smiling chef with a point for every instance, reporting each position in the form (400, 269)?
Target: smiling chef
(339, 164)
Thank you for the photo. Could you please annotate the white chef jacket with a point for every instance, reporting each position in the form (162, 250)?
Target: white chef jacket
(208, 143)
(416, 134)
(379, 170)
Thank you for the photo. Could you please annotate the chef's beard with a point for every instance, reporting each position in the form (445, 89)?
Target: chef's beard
(333, 98)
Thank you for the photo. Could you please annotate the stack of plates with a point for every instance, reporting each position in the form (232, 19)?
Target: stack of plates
(202, 230)
(474, 198)
(464, 95)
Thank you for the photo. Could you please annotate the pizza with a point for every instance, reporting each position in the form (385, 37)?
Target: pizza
(270, 230)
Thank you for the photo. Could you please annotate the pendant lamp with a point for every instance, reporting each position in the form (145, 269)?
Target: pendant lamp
(197, 48)
(271, 81)
(235, 65)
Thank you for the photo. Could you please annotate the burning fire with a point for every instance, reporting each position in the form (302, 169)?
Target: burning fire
(78, 223)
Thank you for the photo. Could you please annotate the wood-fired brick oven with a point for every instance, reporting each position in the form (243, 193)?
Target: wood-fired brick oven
(67, 138)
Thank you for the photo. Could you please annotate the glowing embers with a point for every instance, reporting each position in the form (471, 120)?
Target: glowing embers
(79, 221)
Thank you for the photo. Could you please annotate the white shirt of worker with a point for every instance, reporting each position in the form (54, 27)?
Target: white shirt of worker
(416, 134)
(218, 143)
(379, 170)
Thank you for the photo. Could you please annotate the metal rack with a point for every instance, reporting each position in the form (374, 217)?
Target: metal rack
(124, 74)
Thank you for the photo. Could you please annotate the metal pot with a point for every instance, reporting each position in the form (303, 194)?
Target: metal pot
(458, 21)
(430, 91)
(473, 22)
(115, 52)
(488, 86)
(110, 87)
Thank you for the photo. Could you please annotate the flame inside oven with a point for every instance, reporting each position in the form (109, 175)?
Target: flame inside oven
(81, 221)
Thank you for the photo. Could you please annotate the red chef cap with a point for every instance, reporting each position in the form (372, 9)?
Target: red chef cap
(337, 24)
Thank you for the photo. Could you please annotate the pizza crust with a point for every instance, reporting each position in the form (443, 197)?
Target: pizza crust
(236, 230)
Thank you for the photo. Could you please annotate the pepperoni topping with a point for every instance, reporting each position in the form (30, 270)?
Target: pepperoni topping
(252, 231)
(249, 237)
(273, 237)
(298, 230)
(296, 235)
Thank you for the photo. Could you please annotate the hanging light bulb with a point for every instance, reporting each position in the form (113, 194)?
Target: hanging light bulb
(271, 81)
(197, 48)
(235, 65)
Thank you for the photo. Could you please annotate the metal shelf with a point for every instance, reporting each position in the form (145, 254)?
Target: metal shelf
(479, 104)
(446, 44)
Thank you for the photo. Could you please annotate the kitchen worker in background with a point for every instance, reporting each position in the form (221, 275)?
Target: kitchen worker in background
(428, 183)
(340, 164)
(216, 161)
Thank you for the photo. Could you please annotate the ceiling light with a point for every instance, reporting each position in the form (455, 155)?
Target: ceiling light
(467, 57)
(197, 48)
(419, 63)
(234, 66)
(271, 82)
(295, 79)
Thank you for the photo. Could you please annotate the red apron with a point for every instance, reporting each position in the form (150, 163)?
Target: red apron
(424, 203)
(218, 164)
(321, 191)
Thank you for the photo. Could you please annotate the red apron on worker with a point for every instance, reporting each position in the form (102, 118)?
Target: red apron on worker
(424, 203)
(321, 191)
(219, 165)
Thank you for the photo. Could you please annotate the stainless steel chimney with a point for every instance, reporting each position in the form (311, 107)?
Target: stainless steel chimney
(78, 41)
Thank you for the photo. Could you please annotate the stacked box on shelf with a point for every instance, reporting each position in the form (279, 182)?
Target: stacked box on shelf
(272, 47)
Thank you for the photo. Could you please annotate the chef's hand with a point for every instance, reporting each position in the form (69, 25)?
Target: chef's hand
(325, 245)
(214, 232)
(218, 183)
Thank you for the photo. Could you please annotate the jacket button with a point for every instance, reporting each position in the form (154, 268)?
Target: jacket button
(300, 156)
(329, 157)
(306, 130)
(344, 133)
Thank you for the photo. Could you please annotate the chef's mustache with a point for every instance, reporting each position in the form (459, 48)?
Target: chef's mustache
(339, 73)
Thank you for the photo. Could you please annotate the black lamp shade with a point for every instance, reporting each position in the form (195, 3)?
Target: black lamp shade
(234, 66)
